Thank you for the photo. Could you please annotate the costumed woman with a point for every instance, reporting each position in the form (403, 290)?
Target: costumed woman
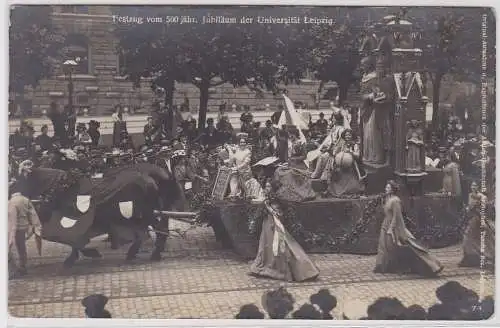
(345, 176)
(279, 255)
(239, 161)
(398, 250)
(472, 248)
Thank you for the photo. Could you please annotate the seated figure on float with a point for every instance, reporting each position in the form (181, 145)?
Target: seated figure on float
(322, 154)
(343, 172)
(242, 183)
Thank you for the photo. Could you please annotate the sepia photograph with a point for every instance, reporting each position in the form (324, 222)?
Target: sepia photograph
(251, 162)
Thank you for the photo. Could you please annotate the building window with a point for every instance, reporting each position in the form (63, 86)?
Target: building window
(75, 9)
(77, 48)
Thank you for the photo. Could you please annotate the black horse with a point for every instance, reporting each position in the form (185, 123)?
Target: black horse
(75, 208)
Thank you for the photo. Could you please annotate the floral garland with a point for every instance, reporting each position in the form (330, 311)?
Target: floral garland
(291, 221)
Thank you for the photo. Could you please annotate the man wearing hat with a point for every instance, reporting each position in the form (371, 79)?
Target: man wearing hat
(82, 137)
(149, 132)
(43, 140)
(23, 220)
(210, 136)
(95, 306)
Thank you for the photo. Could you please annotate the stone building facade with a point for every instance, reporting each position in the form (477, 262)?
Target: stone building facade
(98, 86)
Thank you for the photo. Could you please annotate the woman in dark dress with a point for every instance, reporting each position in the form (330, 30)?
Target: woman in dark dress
(279, 255)
(398, 250)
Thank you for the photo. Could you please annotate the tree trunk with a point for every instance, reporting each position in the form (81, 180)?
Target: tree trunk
(202, 115)
(436, 87)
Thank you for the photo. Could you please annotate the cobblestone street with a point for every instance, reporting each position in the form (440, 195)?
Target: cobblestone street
(199, 279)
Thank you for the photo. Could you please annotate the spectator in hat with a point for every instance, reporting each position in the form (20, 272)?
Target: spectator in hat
(385, 308)
(246, 120)
(249, 311)
(94, 133)
(210, 136)
(58, 119)
(308, 312)
(126, 143)
(225, 130)
(95, 306)
(416, 312)
(278, 303)
(149, 131)
(325, 301)
(43, 140)
(268, 132)
(82, 136)
(23, 221)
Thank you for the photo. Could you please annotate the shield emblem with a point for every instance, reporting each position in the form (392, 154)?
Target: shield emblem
(67, 222)
(83, 203)
(126, 209)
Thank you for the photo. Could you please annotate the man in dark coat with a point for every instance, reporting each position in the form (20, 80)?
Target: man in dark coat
(322, 124)
(225, 130)
(282, 144)
(149, 131)
(58, 119)
(43, 140)
(210, 136)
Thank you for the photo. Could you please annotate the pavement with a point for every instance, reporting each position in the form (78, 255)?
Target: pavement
(197, 278)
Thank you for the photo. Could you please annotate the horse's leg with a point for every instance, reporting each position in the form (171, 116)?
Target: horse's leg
(134, 248)
(161, 241)
(163, 232)
(72, 258)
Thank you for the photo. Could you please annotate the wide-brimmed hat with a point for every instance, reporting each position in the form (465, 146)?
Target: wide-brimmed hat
(179, 153)
(94, 306)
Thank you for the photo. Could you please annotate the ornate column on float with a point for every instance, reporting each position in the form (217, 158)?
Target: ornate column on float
(409, 104)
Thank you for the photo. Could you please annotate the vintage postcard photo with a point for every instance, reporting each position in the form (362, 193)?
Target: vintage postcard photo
(251, 162)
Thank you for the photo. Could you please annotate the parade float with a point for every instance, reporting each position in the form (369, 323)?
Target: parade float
(391, 122)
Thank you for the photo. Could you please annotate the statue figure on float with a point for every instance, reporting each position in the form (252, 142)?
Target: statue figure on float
(373, 119)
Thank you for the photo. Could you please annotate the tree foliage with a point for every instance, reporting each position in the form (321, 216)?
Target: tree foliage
(452, 44)
(267, 55)
(34, 46)
(208, 55)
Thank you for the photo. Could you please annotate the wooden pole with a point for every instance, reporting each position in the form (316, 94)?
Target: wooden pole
(173, 214)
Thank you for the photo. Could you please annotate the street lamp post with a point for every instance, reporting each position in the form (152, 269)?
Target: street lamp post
(69, 66)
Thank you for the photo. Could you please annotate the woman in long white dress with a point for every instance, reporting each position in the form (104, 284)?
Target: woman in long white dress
(239, 161)
(280, 256)
(451, 177)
